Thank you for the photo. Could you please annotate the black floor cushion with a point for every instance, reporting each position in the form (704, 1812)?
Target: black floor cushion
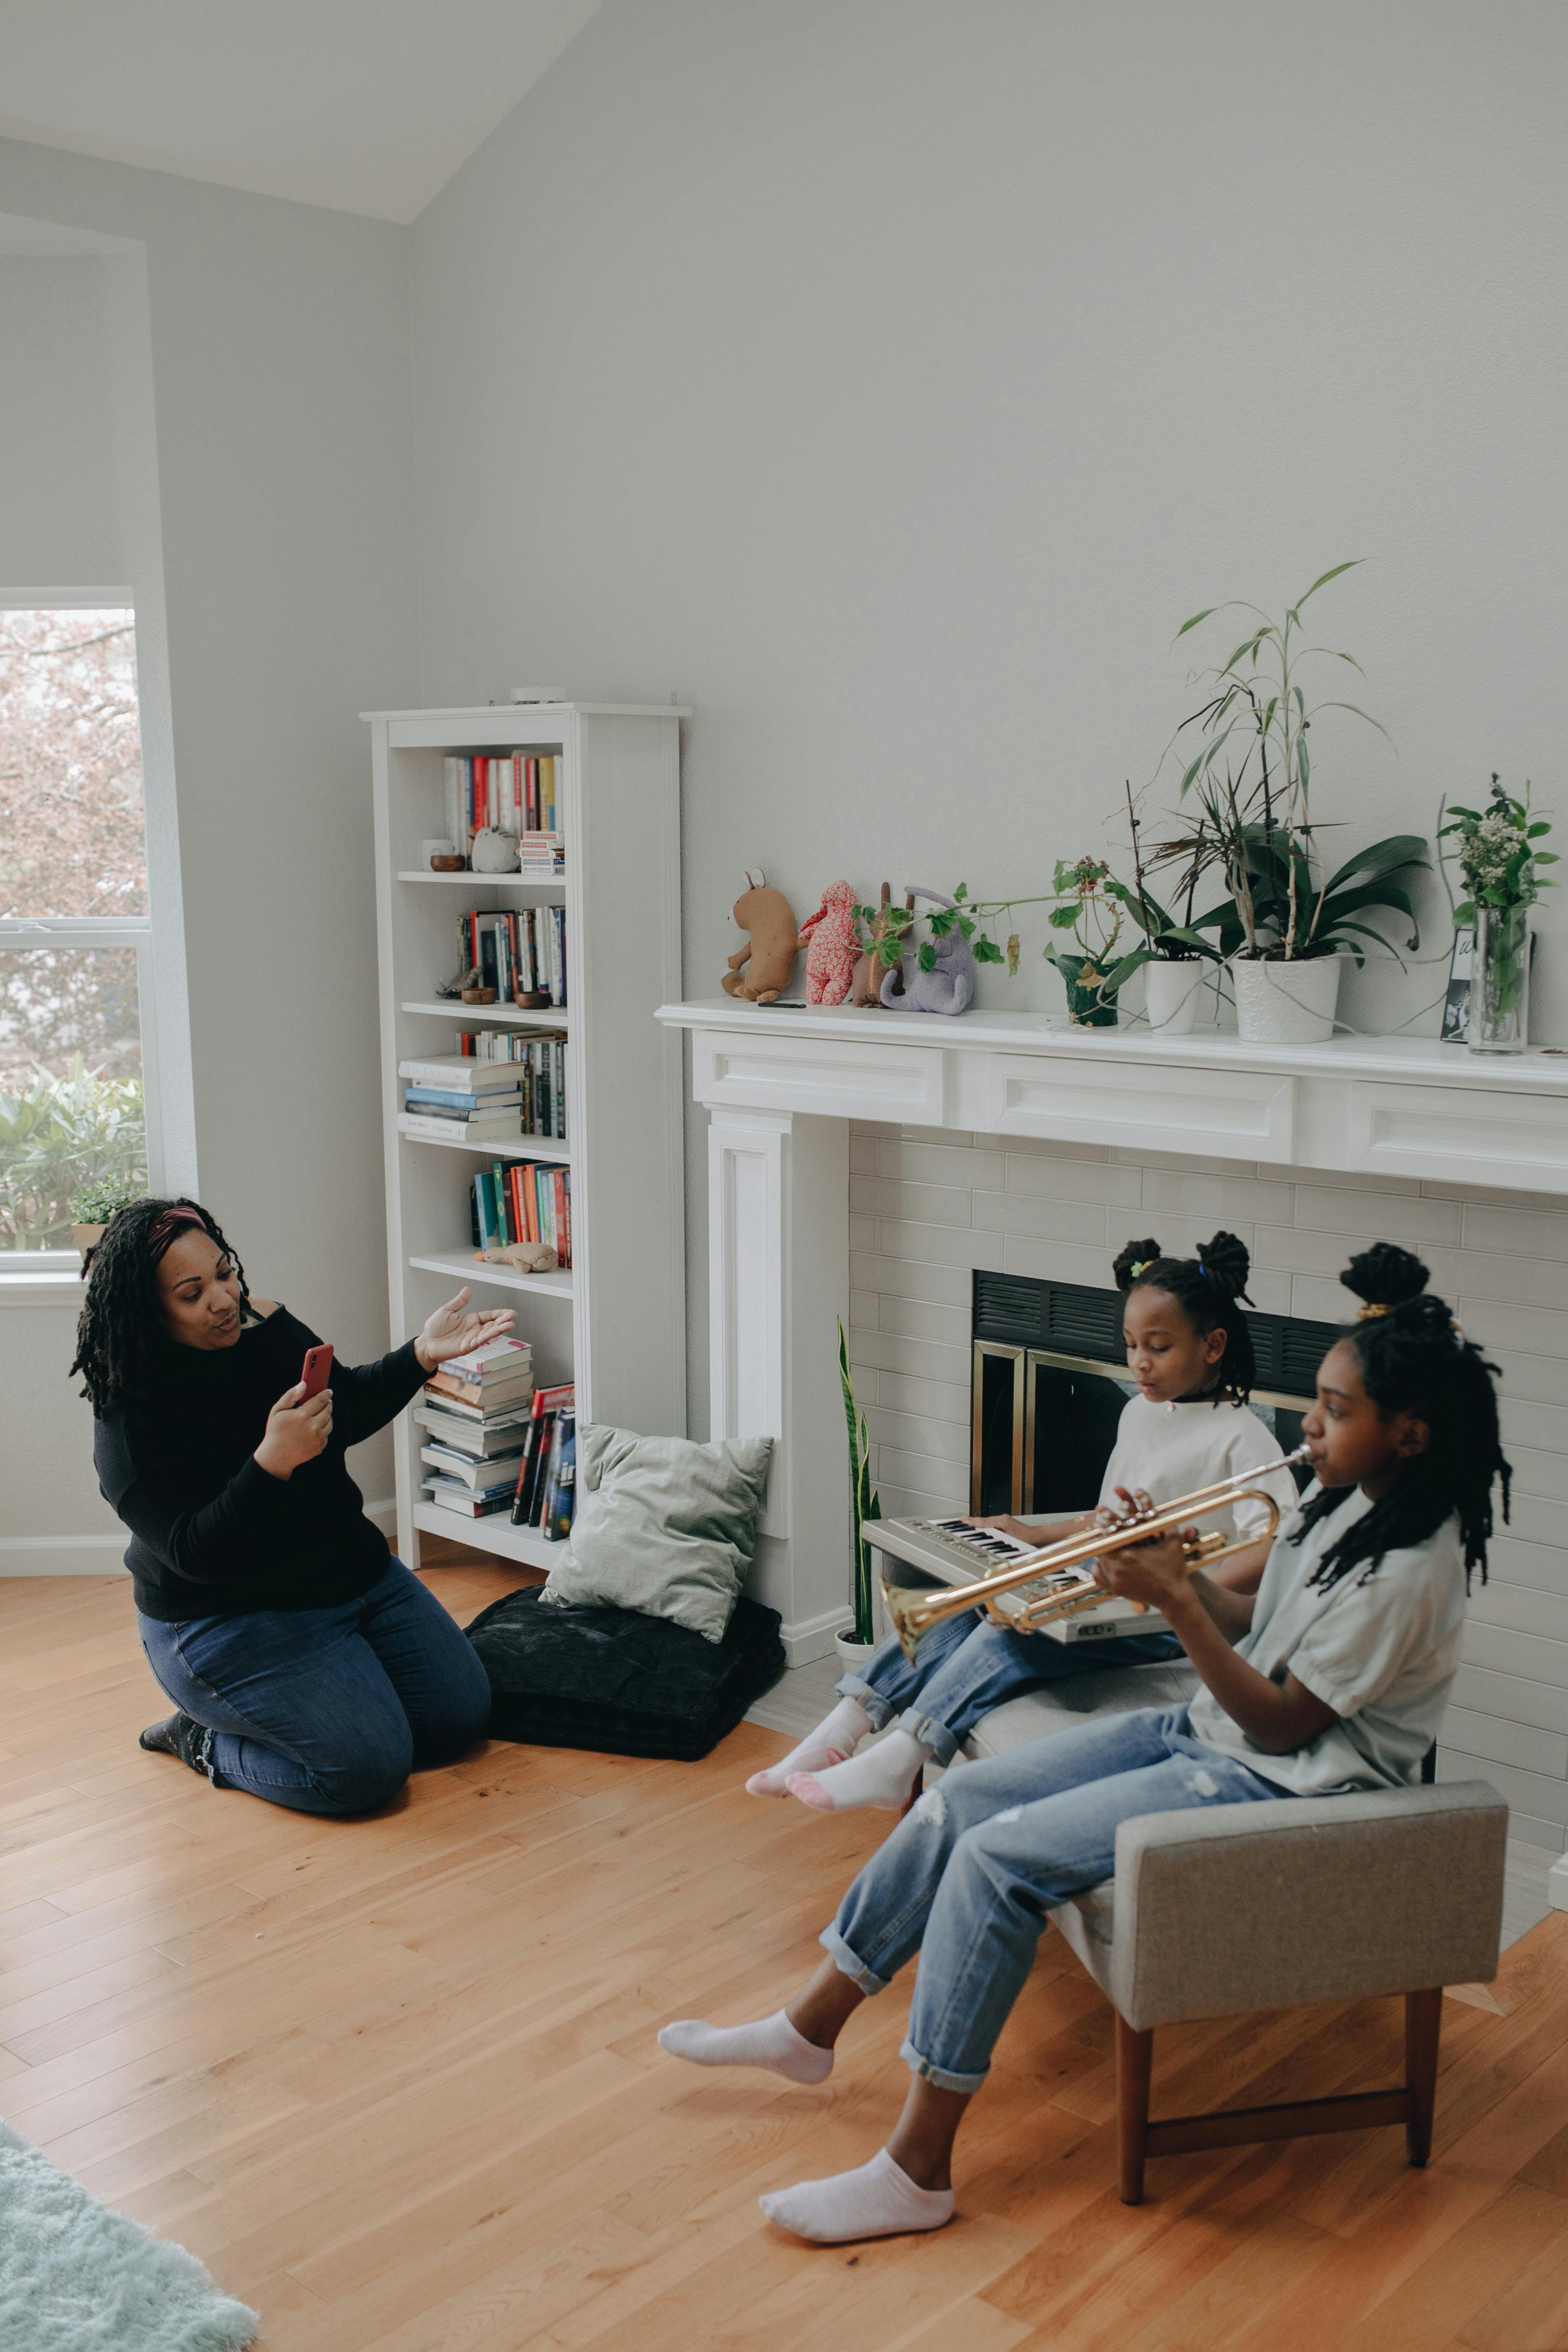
(619, 1681)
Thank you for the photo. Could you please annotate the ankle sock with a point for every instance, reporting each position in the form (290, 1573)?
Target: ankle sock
(182, 1736)
(883, 1776)
(878, 2200)
(834, 1739)
(771, 2043)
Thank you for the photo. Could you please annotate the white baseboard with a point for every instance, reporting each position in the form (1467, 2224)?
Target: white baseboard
(1557, 1885)
(813, 1637)
(63, 1555)
(385, 1515)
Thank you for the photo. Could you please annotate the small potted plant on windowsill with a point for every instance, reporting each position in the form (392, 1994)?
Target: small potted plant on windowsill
(1289, 923)
(93, 1206)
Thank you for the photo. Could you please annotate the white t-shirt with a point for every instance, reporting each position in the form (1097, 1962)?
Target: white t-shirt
(1171, 1450)
(1381, 1650)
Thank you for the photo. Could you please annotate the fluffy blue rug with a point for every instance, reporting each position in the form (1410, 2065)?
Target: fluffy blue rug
(75, 2277)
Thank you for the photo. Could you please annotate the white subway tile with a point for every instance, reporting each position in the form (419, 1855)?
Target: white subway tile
(1180, 1163)
(1524, 1232)
(935, 1400)
(1269, 1290)
(1345, 1180)
(944, 1244)
(946, 1135)
(1074, 1179)
(1217, 1200)
(1488, 1196)
(1501, 1742)
(1047, 1219)
(938, 1163)
(863, 1379)
(1544, 1378)
(1540, 1567)
(863, 1310)
(923, 1357)
(862, 1154)
(1056, 1261)
(946, 1480)
(909, 1277)
(1530, 1797)
(1318, 1300)
(919, 1318)
(862, 1232)
(1523, 1281)
(1410, 1221)
(930, 1205)
(1329, 1254)
(1047, 1147)
(1536, 1330)
(911, 1433)
(1543, 1474)
(1537, 1521)
(909, 1502)
(1525, 1422)
(1513, 1697)
(1507, 1651)
(1177, 1235)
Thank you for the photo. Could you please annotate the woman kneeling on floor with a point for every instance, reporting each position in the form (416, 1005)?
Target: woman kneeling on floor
(1333, 1680)
(306, 1664)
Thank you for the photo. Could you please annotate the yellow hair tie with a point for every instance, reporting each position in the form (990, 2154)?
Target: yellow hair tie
(1365, 1314)
(1138, 1265)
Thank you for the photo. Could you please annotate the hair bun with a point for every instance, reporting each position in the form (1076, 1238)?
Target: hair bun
(1386, 1276)
(1225, 1261)
(1130, 1260)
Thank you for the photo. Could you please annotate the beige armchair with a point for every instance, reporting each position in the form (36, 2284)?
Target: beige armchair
(1276, 1906)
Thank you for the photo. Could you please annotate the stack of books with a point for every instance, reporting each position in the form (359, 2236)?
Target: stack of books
(518, 952)
(522, 1202)
(541, 856)
(476, 1413)
(512, 792)
(460, 1099)
(539, 1067)
(547, 1480)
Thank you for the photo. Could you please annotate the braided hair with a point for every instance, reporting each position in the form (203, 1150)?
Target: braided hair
(1206, 1289)
(121, 1320)
(1413, 1356)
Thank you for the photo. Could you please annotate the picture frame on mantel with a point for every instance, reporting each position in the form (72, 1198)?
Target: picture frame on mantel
(1456, 1028)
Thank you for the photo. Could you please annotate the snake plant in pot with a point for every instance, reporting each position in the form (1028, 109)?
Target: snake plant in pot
(856, 1645)
(1289, 922)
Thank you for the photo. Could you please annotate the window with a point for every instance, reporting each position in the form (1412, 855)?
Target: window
(76, 965)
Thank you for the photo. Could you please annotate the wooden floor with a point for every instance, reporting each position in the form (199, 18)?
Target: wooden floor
(396, 2080)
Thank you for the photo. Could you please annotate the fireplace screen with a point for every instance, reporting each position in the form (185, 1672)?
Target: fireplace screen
(1050, 1380)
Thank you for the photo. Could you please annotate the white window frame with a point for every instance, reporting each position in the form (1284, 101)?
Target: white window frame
(46, 1272)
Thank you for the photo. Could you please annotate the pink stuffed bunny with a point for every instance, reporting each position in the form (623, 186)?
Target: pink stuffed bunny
(834, 952)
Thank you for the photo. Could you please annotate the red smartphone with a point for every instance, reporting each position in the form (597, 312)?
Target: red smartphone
(318, 1371)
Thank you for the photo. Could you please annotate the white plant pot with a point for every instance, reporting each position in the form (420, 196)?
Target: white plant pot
(1280, 1004)
(852, 1654)
(1171, 993)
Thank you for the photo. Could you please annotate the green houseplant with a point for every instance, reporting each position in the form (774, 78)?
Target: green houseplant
(865, 1504)
(1497, 858)
(92, 1207)
(1288, 922)
(60, 1133)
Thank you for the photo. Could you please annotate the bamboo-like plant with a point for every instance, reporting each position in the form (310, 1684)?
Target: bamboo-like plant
(865, 1503)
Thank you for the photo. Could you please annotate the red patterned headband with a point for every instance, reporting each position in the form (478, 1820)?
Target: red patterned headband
(166, 1229)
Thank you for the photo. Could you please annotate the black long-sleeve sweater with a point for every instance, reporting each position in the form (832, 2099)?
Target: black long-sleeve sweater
(212, 1533)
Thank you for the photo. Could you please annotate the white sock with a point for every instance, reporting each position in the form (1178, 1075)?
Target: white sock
(883, 1776)
(772, 2042)
(878, 2200)
(834, 1739)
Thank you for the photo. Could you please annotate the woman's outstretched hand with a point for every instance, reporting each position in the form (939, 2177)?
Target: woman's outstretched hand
(296, 1430)
(452, 1332)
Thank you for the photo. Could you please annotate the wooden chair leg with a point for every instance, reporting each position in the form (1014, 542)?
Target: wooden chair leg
(1134, 2061)
(1422, 2024)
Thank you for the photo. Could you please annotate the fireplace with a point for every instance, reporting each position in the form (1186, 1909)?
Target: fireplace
(1049, 1382)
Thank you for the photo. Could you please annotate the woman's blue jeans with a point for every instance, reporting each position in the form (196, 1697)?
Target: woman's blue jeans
(967, 1877)
(326, 1710)
(967, 1665)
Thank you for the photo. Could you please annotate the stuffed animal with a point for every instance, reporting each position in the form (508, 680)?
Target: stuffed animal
(494, 853)
(834, 952)
(528, 1257)
(869, 966)
(770, 949)
(949, 985)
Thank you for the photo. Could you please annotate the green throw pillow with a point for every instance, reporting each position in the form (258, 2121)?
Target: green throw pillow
(662, 1525)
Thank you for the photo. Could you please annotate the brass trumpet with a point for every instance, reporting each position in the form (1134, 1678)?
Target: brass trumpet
(914, 1609)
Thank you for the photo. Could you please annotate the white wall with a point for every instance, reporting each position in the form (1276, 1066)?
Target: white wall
(60, 505)
(275, 337)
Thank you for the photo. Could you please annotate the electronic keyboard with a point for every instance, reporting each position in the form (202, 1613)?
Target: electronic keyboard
(950, 1551)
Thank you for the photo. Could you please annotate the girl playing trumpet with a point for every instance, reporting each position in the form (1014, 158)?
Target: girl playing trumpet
(1333, 1680)
(1189, 1426)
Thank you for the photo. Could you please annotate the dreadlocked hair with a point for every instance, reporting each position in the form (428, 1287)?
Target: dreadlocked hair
(1413, 1356)
(122, 1320)
(1206, 1288)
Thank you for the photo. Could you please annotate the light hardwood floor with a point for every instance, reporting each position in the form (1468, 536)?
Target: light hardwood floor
(396, 2080)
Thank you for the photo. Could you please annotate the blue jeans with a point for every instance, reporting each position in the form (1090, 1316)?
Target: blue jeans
(326, 1710)
(967, 1665)
(967, 1877)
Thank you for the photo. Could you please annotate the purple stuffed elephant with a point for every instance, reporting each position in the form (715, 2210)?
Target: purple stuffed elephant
(949, 985)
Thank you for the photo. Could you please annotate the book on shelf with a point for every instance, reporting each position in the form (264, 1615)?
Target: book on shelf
(500, 1045)
(510, 792)
(536, 1065)
(461, 1073)
(441, 1126)
(468, 1429)
(519, 951)
(491, 1474)
(542, 856)
(499, 1374)
(440, 1099)
(546, 1483)
(451, 1496)
(522, 1201)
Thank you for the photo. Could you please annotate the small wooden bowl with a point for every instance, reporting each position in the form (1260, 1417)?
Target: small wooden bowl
(479, 996)
(446, 865)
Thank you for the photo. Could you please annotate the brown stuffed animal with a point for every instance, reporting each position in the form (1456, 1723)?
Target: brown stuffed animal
(770, 951)
(527, 1257)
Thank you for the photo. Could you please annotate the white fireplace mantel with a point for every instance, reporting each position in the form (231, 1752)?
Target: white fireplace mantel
(782, 1084)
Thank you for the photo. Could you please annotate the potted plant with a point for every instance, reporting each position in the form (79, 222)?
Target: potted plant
(1288, 922)
(1092, 914)
(1498, 859)
(92, 1207)
(1175, 950)
(856, 1645)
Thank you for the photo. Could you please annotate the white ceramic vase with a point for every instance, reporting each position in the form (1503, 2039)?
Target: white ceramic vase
(1280, 1004)
(1170, 994)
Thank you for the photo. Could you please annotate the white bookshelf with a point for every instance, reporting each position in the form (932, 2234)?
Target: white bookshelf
(615, 1324)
